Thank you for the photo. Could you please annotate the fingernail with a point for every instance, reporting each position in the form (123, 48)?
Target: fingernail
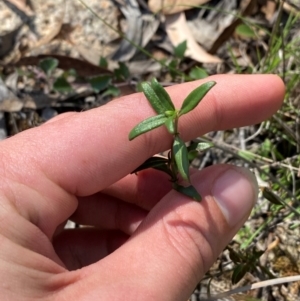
(235, 192)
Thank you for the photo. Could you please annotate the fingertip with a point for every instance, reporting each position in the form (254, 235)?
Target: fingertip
(274, 87)
(235, 192)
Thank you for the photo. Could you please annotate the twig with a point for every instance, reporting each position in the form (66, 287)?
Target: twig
(254, 286)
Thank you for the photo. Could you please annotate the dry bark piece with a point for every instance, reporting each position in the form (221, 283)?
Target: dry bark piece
(178, 32)
(8, 40)
(89, 54)
(173, 6)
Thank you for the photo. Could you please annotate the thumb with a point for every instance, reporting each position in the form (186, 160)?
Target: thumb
(180, 238)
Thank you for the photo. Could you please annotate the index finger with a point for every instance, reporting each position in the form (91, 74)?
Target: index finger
(88, 151)
(44, 169)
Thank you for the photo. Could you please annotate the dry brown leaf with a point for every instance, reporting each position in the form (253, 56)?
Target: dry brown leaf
(9, 102)
(290, 9)
(134, 31)
(178, 32)
(248, 7)
(89, 54)
(269, 10)
(173, 6)
(56, 30)
(51, 35)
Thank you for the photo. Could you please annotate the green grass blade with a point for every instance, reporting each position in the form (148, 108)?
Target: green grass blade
(193, 99)
(48, 65)
(239, 272)
(181, 158)
(147, 125)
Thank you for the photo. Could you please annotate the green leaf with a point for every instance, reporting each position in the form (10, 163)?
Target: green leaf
(157, 163)
(245, 31)
(111, 91)
(147, 125)
(100, 83)
(198, 73)
(173, 68)
(153, 98)
(169, 123)
(166, 169)
(48, 65)
(193, 99)
(192, 155)
(151, 163)
(255, 255)
(103, 62)
(71, 72)
(62, 85)
(189, 191)
(202, 146)
(163, 95)
(266, 148)
(238, 273)
(157, 98)
(181, 158)
(180, 49)
(122, 73)
(234, 256)
(138, 87)
(170, 113)
(271, 196)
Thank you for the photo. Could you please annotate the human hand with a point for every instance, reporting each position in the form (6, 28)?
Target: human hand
(147, 242)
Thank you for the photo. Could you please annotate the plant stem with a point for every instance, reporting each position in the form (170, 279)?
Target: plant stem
(173, 164)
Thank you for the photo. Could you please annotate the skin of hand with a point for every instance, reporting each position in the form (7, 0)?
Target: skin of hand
(147, 242)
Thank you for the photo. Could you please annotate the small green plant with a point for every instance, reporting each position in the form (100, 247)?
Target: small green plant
(244, 262)
(61, 83)
(177, 163)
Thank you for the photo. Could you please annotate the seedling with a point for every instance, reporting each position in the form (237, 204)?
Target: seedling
(177, 163)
